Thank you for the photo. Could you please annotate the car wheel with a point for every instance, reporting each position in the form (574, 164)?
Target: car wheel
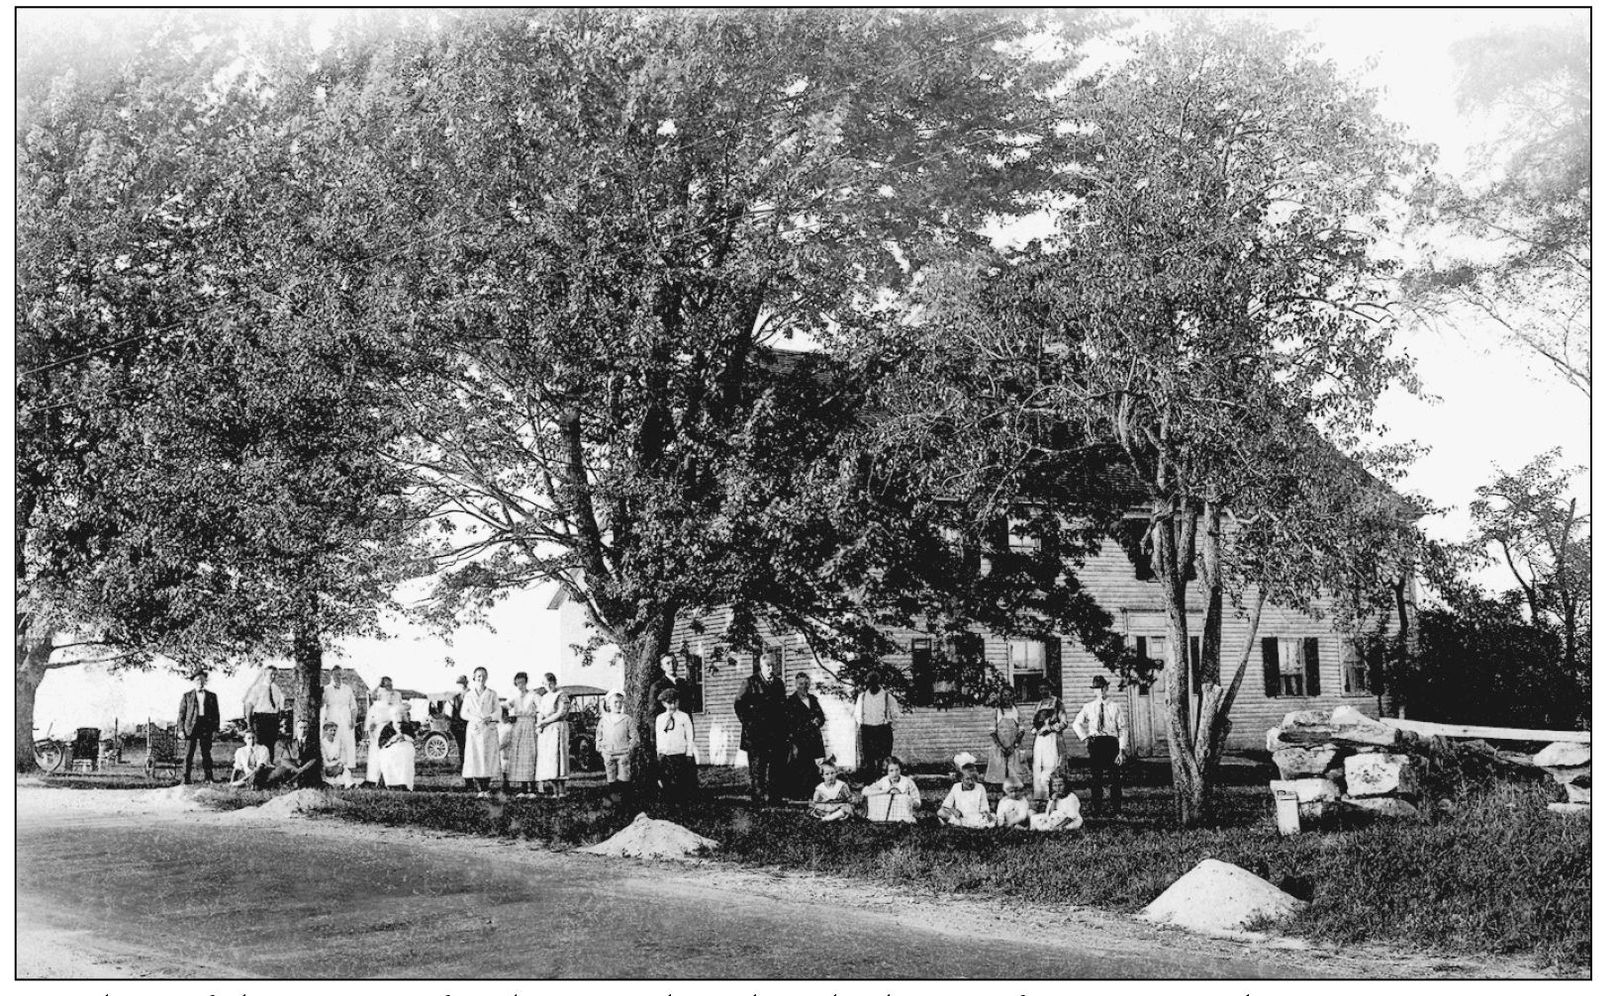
(436, 747)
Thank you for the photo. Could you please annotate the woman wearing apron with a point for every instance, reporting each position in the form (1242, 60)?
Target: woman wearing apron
(553, 737)
(481, 711)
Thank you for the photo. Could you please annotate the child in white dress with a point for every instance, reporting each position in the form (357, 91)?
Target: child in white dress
(1046, 750)
(966, 805)
(1062, 811)
(893, 799)
(833, 800)
(1013, 808)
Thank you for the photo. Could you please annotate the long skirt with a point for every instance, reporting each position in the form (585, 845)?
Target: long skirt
(553, 752)
(524, 749)
(482, 751)
(398, 765)
(373, 757)
(345, 741)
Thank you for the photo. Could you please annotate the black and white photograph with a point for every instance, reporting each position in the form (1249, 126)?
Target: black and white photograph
(509, 498)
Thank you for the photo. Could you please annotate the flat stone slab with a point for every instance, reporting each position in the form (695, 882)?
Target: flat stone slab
(1570, 808)
(1217, 897)
(1383, 806)
(1350, 726)
(1563, 755)
(1305, 760)
(1308, 789)
(1380, 774)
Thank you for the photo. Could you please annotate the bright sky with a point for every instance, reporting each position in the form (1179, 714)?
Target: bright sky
(1487, 406)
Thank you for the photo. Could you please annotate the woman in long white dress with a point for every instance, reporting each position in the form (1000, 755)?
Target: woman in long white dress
(553, 737)
(398, 751)
(377, 716)
(523, 752)
(481, 711)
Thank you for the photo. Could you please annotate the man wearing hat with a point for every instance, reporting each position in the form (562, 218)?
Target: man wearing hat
(198, 722)
(1100, 725)
(457, 725)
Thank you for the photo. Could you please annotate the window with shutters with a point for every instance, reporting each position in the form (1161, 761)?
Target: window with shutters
(1290, 666)
(1355, 670)
(1028, 668)
(922, 690)
(1135, 537)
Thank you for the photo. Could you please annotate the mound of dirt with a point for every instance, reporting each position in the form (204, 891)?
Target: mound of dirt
(293, 804)
(1217, 897)
(174, 799)
(649, 838)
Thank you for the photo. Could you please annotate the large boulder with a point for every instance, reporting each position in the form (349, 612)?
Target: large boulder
(1305, 760)
(1350, 726)
(1563, 755)
(1218, 897)
(1385, 806)
(1380, 774)
(1577, 793)
(1272, 741)
(1306, 726)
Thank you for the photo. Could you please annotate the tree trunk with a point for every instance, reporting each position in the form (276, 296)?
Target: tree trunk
(33, 662)
(642, 656)
(1172, 544)
(308, 691)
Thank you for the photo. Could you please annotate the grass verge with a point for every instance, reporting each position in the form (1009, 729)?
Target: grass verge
(1500, 875)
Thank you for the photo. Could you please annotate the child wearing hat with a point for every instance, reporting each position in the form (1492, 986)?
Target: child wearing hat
(966, 805)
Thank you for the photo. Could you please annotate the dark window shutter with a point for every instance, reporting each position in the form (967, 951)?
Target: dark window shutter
(1311, 664)
(1271, 666)
(1000, 533)
(1052, 664)
(971, 553)
(1196, 662)
(1134, 538)
(1141, 647)
(921, 672)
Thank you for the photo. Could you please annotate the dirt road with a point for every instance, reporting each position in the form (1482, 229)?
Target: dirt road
(105, 891)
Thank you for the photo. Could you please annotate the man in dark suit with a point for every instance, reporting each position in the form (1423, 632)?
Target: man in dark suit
(457, 725)
(198, 722)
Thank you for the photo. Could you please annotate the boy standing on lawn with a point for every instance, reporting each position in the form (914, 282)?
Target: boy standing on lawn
(1100, 724)
(614, 740)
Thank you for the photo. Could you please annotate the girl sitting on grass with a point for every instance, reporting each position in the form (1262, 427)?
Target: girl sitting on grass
(966, 805)
(833, 800)
(1061, 812)
(1013, 809)
(893, 799)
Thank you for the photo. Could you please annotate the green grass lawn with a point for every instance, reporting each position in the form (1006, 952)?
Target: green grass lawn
(1500, 875)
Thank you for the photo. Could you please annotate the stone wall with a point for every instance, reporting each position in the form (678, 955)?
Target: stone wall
(1340, 763)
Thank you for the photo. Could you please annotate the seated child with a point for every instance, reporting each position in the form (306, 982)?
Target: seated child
(1061, 812)
(894, 798)
(966, 805)
(1013, 809)
(833, 800)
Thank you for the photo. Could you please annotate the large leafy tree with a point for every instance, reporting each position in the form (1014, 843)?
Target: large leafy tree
(1210, 313)
(616, 215)
(240, 496)
(1531, 522)
(1508, 244)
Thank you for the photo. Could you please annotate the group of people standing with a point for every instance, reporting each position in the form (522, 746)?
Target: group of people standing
(781, 734)
(1099, 725)
(535, 743)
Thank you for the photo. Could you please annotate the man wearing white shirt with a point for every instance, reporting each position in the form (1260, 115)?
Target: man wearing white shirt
(252, 763)
(1100, 725)
(874, 709)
